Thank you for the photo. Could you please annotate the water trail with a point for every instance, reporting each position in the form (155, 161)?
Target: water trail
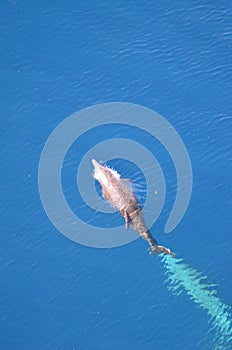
(180, 277)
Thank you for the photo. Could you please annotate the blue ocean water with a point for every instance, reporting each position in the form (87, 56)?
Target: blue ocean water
(58, 58)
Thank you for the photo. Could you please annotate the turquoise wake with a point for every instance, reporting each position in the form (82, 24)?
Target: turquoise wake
(182, 277)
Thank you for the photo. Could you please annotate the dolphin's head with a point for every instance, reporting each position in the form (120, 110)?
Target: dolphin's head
(98, 170)
(95, 164)
(101, 173)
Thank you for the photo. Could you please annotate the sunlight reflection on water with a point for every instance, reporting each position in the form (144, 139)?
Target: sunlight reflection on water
(180, 277)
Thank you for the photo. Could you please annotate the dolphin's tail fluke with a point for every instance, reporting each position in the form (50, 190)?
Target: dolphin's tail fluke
(154, 247)
(159, 249)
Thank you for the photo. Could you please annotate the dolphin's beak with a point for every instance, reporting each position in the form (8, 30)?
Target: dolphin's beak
(95, 164)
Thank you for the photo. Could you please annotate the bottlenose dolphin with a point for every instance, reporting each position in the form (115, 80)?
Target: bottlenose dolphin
(120, 194)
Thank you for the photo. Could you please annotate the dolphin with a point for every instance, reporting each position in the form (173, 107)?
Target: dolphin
(120, 194)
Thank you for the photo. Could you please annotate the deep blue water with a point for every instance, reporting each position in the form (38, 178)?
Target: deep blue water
(58, 58)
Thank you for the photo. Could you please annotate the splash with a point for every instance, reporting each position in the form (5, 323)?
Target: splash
(182, 277)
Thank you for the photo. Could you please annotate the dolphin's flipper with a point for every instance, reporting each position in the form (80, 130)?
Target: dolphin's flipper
(127, 219)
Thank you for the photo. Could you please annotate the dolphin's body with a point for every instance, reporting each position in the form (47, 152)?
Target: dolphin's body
(118, 192)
